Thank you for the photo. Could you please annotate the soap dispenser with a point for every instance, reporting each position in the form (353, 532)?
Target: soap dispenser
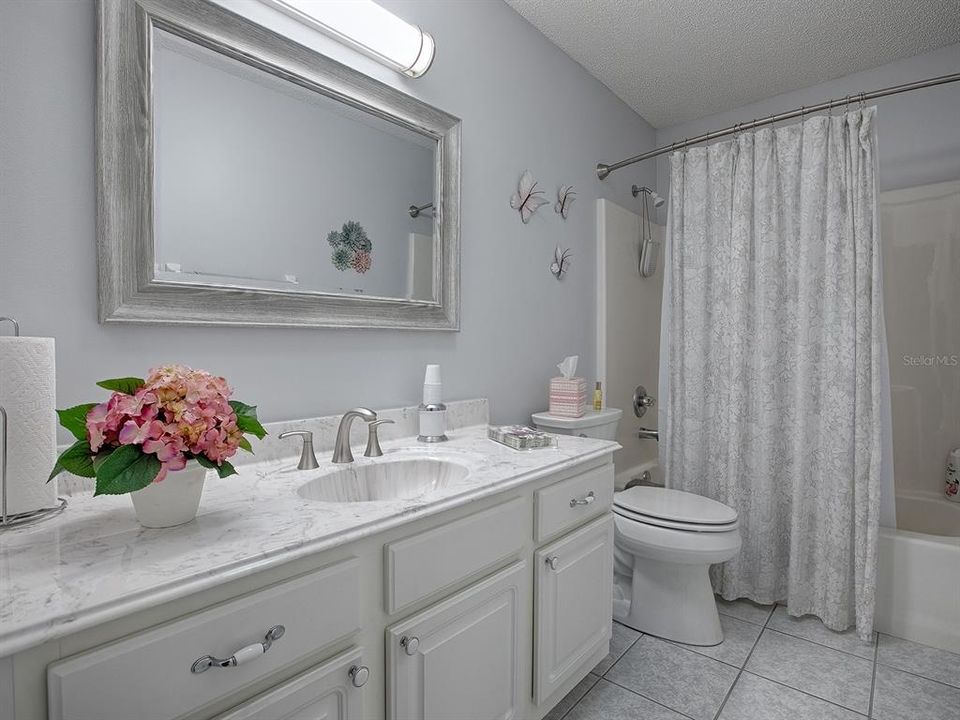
(433, 413)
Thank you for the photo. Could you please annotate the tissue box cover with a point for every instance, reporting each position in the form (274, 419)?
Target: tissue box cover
(568, 397)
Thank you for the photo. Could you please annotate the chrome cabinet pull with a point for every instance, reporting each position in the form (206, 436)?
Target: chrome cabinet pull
(552, 562)
(242, 655)
(585, 500)
(359, 674)
(410, 644)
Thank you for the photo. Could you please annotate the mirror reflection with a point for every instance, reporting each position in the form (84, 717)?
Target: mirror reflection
(264, 184)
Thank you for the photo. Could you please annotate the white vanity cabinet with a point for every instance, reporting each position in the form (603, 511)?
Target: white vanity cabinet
(332, 691)
(460, 659)
(574, 587)
(492, 610)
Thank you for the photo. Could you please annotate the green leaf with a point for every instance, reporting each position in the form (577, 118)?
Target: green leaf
(245, 445)
(247, 419)
(225, 469)
(126, 470)
(127, 385)
(75, 419)
(76, 459)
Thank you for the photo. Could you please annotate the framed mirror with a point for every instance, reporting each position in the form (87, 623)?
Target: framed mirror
(247, 180)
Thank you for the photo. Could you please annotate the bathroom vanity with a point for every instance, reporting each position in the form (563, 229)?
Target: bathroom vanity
(483, 592)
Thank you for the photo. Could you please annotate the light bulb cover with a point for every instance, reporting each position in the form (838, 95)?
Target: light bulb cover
(367, 27)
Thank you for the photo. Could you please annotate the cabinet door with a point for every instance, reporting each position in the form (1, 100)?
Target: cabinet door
(574, 586)
(331, 691)
(460, 658)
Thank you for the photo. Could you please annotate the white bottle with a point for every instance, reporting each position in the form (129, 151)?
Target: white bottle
(433, 413)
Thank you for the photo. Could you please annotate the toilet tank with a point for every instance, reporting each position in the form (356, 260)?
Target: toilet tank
(601, 425)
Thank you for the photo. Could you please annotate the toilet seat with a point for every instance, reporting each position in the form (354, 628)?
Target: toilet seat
(671, 525)
(674, 509)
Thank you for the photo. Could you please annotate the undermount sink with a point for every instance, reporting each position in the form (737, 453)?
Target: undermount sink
(404, 479)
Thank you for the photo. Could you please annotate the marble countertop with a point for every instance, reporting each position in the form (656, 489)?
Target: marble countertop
(95, 563)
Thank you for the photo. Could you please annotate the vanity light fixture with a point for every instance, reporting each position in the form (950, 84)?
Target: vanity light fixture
(367, 27)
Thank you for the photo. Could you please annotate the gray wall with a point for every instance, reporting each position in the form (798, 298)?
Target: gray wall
(918, 132)
(524, 104)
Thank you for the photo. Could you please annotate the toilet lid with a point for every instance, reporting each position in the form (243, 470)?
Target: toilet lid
(674, 506)
(673, 525)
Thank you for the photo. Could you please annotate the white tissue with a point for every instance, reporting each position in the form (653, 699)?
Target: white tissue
(568, 367)
(28, 393)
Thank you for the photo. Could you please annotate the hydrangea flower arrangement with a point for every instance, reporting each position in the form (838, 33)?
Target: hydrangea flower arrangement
(148, 428)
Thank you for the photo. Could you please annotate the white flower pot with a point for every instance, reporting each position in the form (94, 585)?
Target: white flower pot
(172, 501)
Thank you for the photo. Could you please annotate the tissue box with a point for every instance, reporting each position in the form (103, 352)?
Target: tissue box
(568, 397)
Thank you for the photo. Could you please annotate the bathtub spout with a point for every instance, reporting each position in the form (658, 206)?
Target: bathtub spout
(647, 434)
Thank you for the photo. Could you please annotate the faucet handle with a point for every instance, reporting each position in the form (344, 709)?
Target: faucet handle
(308, 460)
(373, 440)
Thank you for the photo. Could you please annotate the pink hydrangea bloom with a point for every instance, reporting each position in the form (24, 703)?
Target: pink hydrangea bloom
(179, 414)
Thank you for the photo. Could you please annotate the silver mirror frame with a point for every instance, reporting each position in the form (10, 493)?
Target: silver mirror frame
(128, 291)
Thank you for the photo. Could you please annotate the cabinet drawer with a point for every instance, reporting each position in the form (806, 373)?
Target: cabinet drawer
(574, 579)
(327, 691)
(151, 672)
(569, 503)
(424, 564)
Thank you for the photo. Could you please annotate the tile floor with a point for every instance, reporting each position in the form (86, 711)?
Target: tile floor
(770, 666)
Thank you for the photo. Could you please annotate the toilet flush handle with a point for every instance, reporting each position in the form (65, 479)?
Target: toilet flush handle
(552, 562)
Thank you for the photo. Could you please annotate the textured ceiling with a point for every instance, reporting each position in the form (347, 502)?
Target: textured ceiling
(678, 60)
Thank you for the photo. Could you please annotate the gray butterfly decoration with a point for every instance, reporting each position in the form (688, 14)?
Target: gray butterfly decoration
(561, 262)
(527, 200)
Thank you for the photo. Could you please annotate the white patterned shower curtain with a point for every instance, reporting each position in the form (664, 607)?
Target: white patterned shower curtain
(774, 381)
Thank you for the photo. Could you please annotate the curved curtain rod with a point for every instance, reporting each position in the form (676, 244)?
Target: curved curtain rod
(604, 169)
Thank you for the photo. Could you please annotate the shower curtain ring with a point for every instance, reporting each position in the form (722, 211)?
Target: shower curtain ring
(863, 100)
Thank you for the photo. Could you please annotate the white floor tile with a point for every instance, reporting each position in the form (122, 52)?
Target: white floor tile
(920, 659)
(739, 638)
(675, 677)
(754, 698)
(829, 674)
(810, 628)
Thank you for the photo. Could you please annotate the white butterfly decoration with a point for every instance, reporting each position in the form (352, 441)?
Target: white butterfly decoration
(527, 200)
(565, 198)
(561, 261)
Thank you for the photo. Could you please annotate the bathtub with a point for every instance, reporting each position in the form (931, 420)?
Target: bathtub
(918, 575)
(918, 572)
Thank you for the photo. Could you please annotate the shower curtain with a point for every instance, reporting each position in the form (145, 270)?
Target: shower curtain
(774, 378)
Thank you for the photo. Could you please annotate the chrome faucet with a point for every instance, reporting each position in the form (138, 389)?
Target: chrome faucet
(341, 449)
(308, 461)
(373, 441)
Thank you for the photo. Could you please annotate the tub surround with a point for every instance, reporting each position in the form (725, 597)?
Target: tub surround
(94, 563)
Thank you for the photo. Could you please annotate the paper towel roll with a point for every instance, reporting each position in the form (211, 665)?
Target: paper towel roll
(28, 393)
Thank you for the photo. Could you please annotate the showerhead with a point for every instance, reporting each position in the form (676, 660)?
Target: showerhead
(657, 200)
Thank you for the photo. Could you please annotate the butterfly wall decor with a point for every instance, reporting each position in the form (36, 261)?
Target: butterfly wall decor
(565, 198)
(527, 200)
(561, 262)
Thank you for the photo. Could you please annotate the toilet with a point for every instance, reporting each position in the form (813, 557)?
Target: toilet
(601, 425)
(664, 544)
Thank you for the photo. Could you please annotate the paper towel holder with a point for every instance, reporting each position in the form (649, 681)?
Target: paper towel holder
(16, 325)
(25, 518)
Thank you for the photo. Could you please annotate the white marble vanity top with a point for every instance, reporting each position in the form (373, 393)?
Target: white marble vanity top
(95, 563)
